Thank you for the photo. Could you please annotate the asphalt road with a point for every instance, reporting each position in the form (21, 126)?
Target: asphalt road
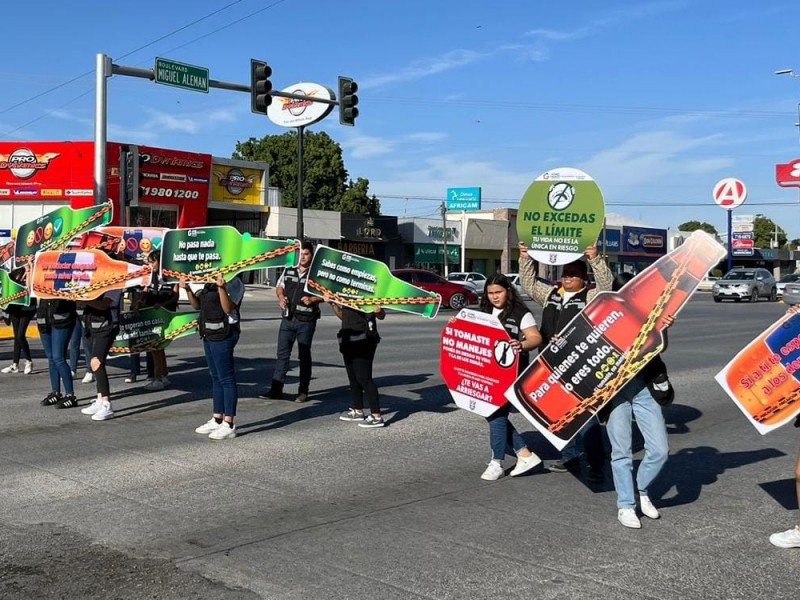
(303, 505)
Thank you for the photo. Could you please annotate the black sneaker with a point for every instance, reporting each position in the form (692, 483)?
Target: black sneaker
(565, 466)
(51, 398)
(67, 401)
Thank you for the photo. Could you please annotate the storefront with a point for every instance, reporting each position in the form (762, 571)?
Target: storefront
(641, 247)
(372, 237)
(239, 195)
(424, 247)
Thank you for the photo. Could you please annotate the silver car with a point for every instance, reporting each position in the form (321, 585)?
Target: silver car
(790, 278)
(791, 293)
(746, 284)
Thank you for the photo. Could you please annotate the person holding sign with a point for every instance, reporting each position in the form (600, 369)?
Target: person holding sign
(501, 299)
(561, 305)
(20, 317)
(358, 340)
(56, 319)
(219, 327)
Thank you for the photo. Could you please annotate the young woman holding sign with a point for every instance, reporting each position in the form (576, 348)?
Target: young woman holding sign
(501, 299)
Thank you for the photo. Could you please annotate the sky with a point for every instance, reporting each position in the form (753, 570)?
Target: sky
(656, 100)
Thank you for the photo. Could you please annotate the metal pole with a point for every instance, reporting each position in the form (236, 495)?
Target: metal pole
(730, 238)
(300, 232)
(463, 240)
(444, 237)
(102, 73)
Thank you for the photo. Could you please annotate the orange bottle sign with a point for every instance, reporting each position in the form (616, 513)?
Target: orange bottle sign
(477, 362)
(764, 378)
(611, 340)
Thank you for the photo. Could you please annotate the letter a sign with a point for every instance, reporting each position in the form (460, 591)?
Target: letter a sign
(730, 193)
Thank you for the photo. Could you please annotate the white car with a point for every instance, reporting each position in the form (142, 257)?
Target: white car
(471, 279)
(515, 281)
(707, 283)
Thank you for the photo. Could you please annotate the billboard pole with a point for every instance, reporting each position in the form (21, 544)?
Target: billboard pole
(300, 231)
(102, 73)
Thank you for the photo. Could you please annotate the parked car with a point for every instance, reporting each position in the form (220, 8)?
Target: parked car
(515, 281)
(791, 293)
(473, 279)
(791, 278)
(454, 295)
(746, 284)
(707, 283)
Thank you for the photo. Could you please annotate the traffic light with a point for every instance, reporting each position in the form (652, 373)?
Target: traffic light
(347, 101)
(260, 86)
(133, 175)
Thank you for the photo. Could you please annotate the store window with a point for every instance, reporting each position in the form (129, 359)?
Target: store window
(160, 215)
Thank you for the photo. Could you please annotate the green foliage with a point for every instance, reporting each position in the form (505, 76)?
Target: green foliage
(326, 185)
(695, 225)
(764, 230)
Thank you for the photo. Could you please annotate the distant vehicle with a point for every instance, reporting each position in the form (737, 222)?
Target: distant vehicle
(746, 284)
(473, 279)
(707, 283)
(791, 293)
(515, 281)
(454, 295)
(791, 278)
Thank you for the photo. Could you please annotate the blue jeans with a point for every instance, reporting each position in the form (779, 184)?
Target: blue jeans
(503, 436)
(634, 400)
(75, 348)
(55, 347)
(219, 356)
(291, 330)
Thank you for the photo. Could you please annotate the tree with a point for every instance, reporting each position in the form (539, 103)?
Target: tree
(764, 229)
(325, 178)
(695, 225)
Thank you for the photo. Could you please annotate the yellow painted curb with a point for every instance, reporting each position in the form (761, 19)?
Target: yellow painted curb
(6, 333)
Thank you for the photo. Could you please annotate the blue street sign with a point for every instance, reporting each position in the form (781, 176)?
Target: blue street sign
(464, 198)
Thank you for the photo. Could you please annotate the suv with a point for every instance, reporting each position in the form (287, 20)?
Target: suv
(454, 295)
(472, 279)
(746, 284)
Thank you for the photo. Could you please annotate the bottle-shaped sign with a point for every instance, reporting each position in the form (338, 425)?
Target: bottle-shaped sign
(764, 378)
(603, 347)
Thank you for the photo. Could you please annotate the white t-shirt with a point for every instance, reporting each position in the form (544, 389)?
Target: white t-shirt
(527, 320)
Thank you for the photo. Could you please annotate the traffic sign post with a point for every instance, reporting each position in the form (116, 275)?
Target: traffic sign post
(464, 198)
(181, 75)
(730, 193)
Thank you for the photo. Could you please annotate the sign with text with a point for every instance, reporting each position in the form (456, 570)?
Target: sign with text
(477, 362)
(293, 112)
(12, 292)
(763, 379)
(729, 193)
(180, 75)
(560, 214)
(611, 340)
(139, 241)
(364, 283)
(204, 254)
(468, 198)
(46, 171)
(174, 176)
(788, 175)
(152, 329)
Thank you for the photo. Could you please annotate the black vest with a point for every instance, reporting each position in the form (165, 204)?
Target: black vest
(358, 327)
(556, 314)
(512, 323)
(294, 284)
(55, 313)
(213, 324)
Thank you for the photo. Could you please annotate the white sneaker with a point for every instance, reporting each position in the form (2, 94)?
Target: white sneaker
(88, 378)
(786, 539)
(154, 386)
(207, 428)
(103, 412)
(28, 367)
(223, 431)
(10, 369)
(648, 510)
(493, 472)
(525, 464)
(165, 381)
(627, 516)
(92, 408)
(130, 379)
(74, 374)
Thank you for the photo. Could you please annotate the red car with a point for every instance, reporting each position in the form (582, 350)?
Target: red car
(454, 295)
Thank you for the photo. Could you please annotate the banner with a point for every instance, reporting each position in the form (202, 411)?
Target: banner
(364, 283)
(603, 347)
(560, 214)
(763, 379)
(477, 362)
(139, 241)
(204, 254)
(152, 329)
(54, 230)
(6, 248)
(83, 275)
(12, 292)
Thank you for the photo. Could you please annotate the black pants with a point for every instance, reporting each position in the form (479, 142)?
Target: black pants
(358, 358)
(19, 324)
(100, 342)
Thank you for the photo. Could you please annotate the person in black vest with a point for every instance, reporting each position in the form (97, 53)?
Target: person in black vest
(219, 327)
(358, 340)
(158, 293)
(101, 322)
(561, 305)
(20, 317)
(56, 321)
(300, 314)
(501, 299)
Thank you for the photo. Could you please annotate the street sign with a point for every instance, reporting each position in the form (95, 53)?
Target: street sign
(730, 193)
(181, 75)
(743, 252)
(464, 198)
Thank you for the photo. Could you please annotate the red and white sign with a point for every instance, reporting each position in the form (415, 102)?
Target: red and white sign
(738, 244)
(788, 175)
(477, 361)
(730, 193)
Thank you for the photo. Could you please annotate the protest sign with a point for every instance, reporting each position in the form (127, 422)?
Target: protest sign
(12, 292)
(152, 329)
(139, 241)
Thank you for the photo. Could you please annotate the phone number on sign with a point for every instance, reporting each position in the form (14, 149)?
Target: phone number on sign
(170, 193)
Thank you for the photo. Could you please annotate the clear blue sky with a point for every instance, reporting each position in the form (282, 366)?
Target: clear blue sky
(656, 100)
